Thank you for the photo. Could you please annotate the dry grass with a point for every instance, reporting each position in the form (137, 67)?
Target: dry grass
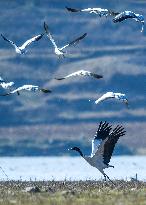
(80, 192)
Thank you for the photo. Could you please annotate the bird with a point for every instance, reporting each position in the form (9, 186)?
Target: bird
(103, 145)
(81, 73)
(7, 85)
(4, 84)
(129, 15)
(22, 49)
(99, 11)
(108, 95)
(59, 51)
(32, 88)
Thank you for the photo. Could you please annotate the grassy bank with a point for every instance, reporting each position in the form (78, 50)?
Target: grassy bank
(78, 193)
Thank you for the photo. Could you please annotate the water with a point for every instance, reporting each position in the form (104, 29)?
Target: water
(70, 168)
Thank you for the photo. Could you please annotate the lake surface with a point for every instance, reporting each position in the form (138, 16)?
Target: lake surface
(70, 168)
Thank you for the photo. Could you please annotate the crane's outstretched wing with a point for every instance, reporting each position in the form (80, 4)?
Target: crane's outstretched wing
(106, 148)
(74, 42)
(81, 73)
(33, 39)
(11, 42)
(111, 142)
(49, 35)
(101, 134)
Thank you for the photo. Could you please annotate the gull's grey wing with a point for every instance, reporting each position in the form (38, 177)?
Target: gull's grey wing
(49, 35)
(72, 9)
(11, 42)
(74, 42)
(33, 39)
(110, 143)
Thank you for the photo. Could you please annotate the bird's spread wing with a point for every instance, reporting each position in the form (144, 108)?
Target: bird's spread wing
(102, 12)
(28, 42)
(101, 134)
(113, 13)
(13, 91)
(105, 149)
(81, 73)
(49, 35)
(72, 9)
(11, 42)
(123, 16)
(104, 97)
(74, 42)
(110, 143)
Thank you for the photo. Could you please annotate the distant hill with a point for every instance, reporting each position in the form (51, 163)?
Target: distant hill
(39, 124)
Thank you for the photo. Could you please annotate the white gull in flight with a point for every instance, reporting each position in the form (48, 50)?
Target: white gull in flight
(59, 51)
(22, 49)
(109, 95)
(99, 11)
(129, 15)
(81, 73)
(32, 88)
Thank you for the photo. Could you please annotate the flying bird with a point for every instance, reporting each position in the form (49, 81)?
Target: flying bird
(4, 84)
(102, 151)
(22, 49)
(81, 73)
(109, 95)
(99, 11)
(32, 88)
(59, 51)
(129, 15)
(7, 85)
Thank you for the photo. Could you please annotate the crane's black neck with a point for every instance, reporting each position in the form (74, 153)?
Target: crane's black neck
(78, 150)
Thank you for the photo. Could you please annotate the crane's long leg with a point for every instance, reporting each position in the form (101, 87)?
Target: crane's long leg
(4, 173)
(109, 179)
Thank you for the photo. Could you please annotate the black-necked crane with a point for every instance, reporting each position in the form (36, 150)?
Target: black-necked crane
(22, 49)
(102, 152)
(60, 51)
(129, 15)
(81, 73)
